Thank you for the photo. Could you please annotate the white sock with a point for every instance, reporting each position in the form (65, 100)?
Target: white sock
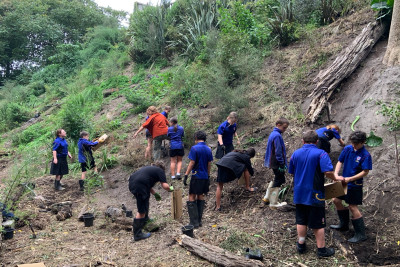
(178, 173)
(302, 240)
(173, 176)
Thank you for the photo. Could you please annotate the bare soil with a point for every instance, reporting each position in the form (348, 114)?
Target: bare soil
(107, 243)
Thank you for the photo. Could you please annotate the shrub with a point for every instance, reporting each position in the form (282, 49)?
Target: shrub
(147, 34)
(115, 82)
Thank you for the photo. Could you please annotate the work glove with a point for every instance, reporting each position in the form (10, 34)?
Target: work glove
(157, 196)
(171, 188)
(223, 147)
(282, 168)
(185, 180)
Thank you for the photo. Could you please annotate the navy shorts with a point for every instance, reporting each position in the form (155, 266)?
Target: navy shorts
(199, 186)
(176, 152)
(313, 217)
(354, 196)
(142, 203)
(85, 167)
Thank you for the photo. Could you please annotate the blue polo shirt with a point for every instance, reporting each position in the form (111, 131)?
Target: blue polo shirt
(328, 134)
(175, 137)
(275, 153)
(227, 131)
(202, 155)
(355, 162)
(165, 114)
(85, 148)
(61, 146)
(308, 165)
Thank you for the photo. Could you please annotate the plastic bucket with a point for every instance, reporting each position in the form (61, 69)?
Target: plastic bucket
(8, 233)
(188, 230)
(129, 213)
(88, 219)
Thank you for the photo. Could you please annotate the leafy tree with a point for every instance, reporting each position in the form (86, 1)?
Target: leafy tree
(31, 31)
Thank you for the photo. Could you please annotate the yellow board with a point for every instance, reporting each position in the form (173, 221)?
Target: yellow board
(335, 189)
(102, 140)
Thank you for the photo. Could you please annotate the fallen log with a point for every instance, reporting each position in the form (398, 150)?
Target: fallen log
(215, 254)
(344, 65)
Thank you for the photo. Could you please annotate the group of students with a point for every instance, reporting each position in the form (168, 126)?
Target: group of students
(309, 165)
(59, 164)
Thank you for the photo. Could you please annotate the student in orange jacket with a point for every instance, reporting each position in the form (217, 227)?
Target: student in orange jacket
(157, 124)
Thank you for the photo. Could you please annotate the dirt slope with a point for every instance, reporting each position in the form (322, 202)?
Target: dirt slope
(69, 243)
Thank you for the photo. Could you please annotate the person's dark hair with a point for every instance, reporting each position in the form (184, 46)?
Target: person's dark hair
(310, 137)
(58, 132)
(200, 135)
(250, 151)
(83, 133)
(159, 164)
(358, 137)
(174, 121)
(282, 121)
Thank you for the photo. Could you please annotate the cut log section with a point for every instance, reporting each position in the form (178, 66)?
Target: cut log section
(215, 254)
(343, 66)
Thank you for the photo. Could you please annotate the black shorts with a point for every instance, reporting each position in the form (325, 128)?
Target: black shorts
(85, 167)
(324, 145)
(354, 196)
(148, 135)
(279, 178)
(61, 168)
(142, 203)
(225, 175)
(176, 152)
(313, 217)
(221, 152)
(199, 186)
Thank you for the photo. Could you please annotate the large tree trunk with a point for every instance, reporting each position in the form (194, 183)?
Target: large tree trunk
(392, 55)
(215, 254)
(344, 65)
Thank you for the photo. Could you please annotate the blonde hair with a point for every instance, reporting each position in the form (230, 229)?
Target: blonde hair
(233, 115)
(151, 110)
(330, 126)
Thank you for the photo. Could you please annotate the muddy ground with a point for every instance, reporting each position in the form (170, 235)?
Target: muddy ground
(69, 243)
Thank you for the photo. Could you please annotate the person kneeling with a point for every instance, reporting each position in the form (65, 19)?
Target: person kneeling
(231, 167)
(141, 185)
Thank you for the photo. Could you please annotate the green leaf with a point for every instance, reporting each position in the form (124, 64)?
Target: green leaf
(373, 140)
(354, 122)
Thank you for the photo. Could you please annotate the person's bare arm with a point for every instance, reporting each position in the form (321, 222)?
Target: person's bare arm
(341, 142)
(209, 168)
(55, 161)
(152, 191)
(166, 187)
(332, 175)
(220, 140)
(356, 177)
(190, 167)
(338, 167)
(138, 131)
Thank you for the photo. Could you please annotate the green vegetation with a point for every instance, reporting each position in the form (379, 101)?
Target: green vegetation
(58, 57)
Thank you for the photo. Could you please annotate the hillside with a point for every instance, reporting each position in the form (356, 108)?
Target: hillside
(279, 89)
